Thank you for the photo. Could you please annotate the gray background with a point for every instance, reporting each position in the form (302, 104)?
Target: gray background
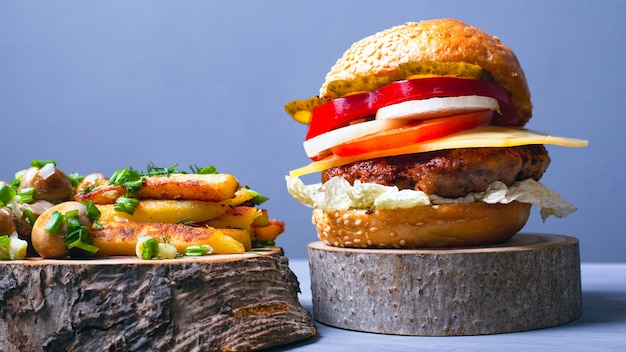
(99, 86)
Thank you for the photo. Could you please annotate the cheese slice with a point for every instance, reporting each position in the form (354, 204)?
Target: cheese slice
(482, 137)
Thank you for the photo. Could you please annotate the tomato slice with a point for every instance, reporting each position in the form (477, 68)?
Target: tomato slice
(341, 111)
(414, 133)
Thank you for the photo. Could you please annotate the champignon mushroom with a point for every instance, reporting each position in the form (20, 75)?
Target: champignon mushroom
(7, 227)
(90, 181)
(52, 245)
(48, 182)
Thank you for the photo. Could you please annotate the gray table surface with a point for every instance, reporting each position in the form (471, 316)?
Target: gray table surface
(602, 326)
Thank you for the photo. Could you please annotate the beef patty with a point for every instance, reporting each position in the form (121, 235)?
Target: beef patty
(449, 173)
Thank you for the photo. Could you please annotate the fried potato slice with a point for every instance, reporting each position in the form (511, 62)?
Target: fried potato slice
(204, 187)
(173, 211)
(240, 217)
(269, 232)
(103, 194)
(120, 238)
(241, 235)
(166, 211)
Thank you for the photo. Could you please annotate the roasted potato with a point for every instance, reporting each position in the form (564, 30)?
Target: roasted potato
(173, 211)
(240, 217)
(269, 232)
(205, 187)
(120, 238)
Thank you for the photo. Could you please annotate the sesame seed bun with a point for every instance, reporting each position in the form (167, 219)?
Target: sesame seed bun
(449, 225)
(443, 40)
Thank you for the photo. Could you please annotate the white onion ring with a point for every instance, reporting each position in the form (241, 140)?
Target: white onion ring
(436, 107)
(325, 141)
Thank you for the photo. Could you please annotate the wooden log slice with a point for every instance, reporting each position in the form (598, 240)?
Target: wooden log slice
(218, 302)
(529, 282)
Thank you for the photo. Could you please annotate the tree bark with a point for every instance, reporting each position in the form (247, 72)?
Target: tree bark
(529, 282)
(217, 302)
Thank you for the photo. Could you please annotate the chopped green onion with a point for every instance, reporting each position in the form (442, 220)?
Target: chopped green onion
(266, 243)
(12, 247)
(84, 246)
(55, 222)
(80, 237)
(71, 219)
(167, 251)
(198, 251)
(41, 163)
(133, 187)
(257, 198)
(75, 178)
(27, 195)
(147, 247)
(126, 205)
(6, 194)
(15, 183)
(18, 247)
(30, 216)
(128, 178)
(210, 169)
(93, 213)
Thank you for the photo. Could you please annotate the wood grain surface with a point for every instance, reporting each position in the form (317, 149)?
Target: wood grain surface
(217, 302)
(529, 282)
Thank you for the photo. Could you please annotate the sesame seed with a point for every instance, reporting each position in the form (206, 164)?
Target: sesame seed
(392, 234)
(402, 242)
(357, 240)
(373, 229)
(357, 222)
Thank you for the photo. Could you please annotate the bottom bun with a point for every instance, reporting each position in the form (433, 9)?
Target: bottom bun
(449, 225)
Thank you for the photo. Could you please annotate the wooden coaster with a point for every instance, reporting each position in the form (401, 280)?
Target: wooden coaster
(218, 302)
(529, 282)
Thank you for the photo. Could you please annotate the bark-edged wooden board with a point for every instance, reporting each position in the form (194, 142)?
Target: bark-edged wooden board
(217, 302)
(530, 282)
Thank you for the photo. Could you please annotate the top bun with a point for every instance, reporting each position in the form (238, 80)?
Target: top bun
(444, 40)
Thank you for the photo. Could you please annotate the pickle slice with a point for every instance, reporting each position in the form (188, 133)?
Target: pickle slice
(293, 107)
(407, 70)
(343, 87)
(434, 68)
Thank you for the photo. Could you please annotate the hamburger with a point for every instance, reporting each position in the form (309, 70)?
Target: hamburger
(418, 133)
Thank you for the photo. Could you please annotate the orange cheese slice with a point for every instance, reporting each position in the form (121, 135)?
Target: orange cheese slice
(488, 136)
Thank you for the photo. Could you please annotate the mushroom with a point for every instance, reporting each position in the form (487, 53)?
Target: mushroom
(48, 182)
(90, 181)
(7, 227)
(52, 245)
